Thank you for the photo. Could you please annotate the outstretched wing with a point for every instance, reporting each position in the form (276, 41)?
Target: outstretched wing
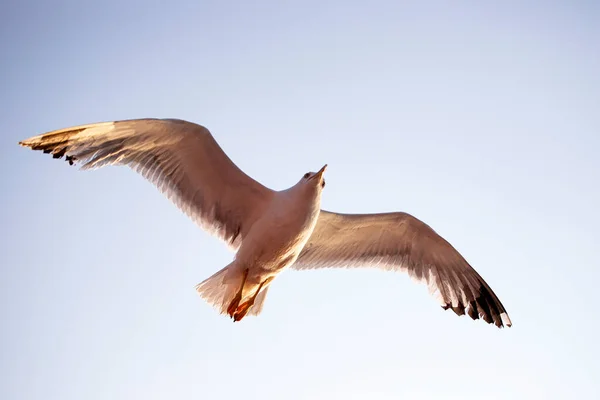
(181, 158)
(399, 241)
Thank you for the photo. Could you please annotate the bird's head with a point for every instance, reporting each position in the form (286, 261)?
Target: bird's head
(315, 179)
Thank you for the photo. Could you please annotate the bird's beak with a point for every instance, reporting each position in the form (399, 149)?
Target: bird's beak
(320, 173)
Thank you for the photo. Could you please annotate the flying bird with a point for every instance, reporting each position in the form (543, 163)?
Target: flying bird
(270, 230)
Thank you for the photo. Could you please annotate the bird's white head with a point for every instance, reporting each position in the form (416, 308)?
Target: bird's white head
(314, 179)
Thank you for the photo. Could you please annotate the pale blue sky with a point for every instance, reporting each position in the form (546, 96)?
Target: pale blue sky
(481, 120)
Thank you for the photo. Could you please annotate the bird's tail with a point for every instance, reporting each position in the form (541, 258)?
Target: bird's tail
(220, 289)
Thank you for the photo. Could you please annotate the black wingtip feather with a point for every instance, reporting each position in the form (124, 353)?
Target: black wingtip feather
(460, 310)
(60, 153)
(483, 307)
(58, 150)
(472, 311)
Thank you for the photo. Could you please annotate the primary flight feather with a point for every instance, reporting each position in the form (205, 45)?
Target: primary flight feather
(270, 230)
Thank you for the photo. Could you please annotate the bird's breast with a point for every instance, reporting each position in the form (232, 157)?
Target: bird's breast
(277, 238)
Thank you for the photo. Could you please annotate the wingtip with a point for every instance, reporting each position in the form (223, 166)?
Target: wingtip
(506, 320)
(28, 142)
(503, 322)
(471, 311)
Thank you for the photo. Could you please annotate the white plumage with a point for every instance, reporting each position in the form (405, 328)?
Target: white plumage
(270, 230)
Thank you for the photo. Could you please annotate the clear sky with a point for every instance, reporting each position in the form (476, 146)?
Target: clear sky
(481, 120)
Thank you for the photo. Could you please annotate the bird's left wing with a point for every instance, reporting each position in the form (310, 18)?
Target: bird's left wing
(399, 241)
(181, 158)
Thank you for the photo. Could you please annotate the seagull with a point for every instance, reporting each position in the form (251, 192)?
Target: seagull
(270, 230)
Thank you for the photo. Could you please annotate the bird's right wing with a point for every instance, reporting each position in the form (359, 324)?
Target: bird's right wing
(181, 158)
(399, 241)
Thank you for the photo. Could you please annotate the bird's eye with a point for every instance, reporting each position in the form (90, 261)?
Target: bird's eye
(306, 175)
(323, 184)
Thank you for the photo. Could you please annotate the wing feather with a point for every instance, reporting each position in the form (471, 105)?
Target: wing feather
(181, 158)
(399, 241)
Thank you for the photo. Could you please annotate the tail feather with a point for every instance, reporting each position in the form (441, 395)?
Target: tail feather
(220, 289)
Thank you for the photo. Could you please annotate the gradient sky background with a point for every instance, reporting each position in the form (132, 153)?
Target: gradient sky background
(481, 120)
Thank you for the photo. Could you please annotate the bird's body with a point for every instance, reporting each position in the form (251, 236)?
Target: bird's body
(279, 235)
(273, 244)
(270, 230)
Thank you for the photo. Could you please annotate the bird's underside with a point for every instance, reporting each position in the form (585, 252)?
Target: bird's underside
(186, 164)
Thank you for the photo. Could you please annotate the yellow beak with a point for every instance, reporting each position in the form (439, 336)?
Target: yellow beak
(320, 173)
